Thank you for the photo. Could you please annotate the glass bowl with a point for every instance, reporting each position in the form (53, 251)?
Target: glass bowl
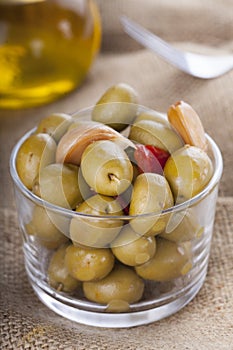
(160, 297)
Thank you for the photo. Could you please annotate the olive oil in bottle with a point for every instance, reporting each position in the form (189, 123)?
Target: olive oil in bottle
(46, 49)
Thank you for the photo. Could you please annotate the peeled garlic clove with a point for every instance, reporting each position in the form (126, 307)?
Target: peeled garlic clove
(187, 123)
(74, 142)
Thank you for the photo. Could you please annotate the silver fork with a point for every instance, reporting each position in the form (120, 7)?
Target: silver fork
(197, 65)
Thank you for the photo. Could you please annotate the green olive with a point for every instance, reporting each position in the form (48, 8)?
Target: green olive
(151, 195)
(85, 190)
(152, 115)
(121, 285)
(188, 171)
(58, 184)
(182, 226)
(96, 231)
(49, 228)
(161, 135)
(36, 152)
(55, 125)
(106, 168)
(58, 275)
(117, 107)
(170, 261)
(88, 264)
(132, 249)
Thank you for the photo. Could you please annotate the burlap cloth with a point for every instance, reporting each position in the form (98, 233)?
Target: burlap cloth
(207, 322)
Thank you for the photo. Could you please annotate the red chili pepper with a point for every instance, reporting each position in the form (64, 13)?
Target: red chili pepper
(150, 159)
(160, 154)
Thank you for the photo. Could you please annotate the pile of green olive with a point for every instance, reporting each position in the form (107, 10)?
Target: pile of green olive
(123, 163)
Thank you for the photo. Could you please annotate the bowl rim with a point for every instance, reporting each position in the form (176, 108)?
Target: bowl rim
(218, 169)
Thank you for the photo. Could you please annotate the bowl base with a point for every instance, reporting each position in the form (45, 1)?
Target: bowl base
(117, 320)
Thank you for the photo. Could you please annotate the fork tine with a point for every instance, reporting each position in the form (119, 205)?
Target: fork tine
(146, 38)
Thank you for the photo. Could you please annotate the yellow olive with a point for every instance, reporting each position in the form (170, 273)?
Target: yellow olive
(88, 264)
(182, 226)
(151, 195)
(161, 135)
(170, 261)
(58, 184)
(96, 231)
(106, 168)
(152, 115)
(58, 275)
(132, 249)
(55, 125)
(121, 285)
(85, 190)
(188, 171)
(49, 228)
(117, 107)
(36, 152)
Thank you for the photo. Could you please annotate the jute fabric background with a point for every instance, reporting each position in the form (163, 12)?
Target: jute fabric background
(207, 322)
